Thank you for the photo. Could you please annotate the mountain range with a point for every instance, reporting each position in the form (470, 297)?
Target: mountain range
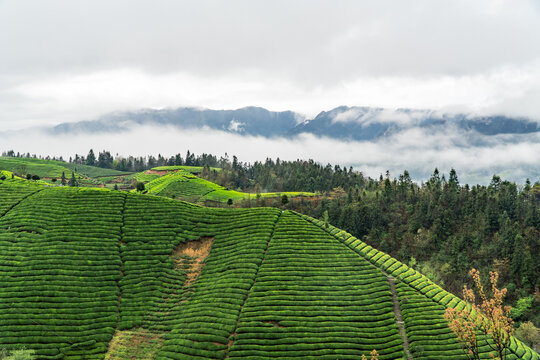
(343, 123)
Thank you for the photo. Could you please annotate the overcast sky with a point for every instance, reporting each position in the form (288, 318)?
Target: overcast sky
(73, 60)
(76, 60)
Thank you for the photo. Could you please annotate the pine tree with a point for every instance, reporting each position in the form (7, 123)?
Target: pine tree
(72, 181)
(453, 179)
(91, 158)
(140, 187)
(63, 179)
(325, 218)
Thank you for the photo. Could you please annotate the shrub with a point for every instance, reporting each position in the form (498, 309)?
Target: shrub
(140, 187)
(528, 333)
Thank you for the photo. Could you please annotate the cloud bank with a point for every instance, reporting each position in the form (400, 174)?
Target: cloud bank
(416, 150)
(69, 61)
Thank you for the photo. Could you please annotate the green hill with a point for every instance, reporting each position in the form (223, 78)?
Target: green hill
(52, 169)
(192, 169)
(181, 184)
(93, 274)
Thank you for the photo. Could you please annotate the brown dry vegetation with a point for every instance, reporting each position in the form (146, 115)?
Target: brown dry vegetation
(190, 256)
(134, 344)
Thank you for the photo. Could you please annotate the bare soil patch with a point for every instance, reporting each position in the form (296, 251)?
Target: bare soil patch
(156, 172)
(190, 257)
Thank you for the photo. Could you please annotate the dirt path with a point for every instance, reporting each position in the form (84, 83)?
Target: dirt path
(157, 172)
(399, 318)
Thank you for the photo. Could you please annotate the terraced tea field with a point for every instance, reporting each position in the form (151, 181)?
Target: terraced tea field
(53, 169)
(179, 182)
(175, 182)
(100, 274)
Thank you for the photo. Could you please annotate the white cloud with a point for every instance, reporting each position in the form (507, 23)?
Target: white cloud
(55, 99)
(417, 150)
(354, 114)
(377, 115)
(68, 61)
(236, 126)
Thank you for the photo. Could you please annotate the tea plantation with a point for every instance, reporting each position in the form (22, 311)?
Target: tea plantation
(182, 184)
(100, 274)
(53, 168)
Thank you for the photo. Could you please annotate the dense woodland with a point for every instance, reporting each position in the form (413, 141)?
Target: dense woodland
(440, 227)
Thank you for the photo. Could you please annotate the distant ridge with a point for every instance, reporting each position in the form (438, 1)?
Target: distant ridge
(248, 121)
(365, 123)
(343, 123)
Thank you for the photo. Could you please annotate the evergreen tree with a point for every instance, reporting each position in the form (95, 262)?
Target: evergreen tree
(91, 158)
(73, 181)
(453, 179)
(140, 187)
(63, 179)
(325, 218)
(105, 160)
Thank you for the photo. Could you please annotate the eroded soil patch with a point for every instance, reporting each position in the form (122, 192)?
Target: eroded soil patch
(156, 172)
(190, 257)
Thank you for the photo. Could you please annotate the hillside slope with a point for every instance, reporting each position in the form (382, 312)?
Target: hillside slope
(184, 185)
(53, 168)
(82, 267)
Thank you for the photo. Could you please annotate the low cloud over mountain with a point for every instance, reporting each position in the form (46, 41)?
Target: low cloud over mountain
(342, 123)
(371, 140)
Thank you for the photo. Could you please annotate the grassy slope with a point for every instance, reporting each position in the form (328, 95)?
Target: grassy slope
(191, 169)
(79, 264)
(169, 185)
(184, 185)
(94, 171)
(423, 303)
(53, 168)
